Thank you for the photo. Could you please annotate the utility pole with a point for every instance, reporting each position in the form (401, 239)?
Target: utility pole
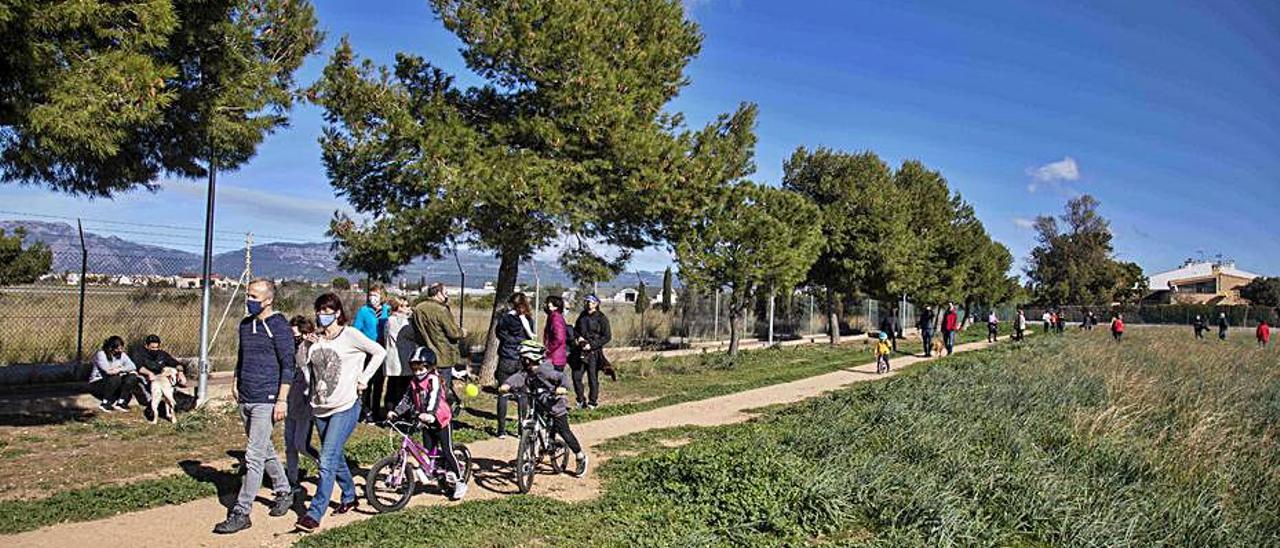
(84, 273)
(772, 297)
(715, 324)
(537, 295)
(811, 327)
(248, 255)
(206, 271)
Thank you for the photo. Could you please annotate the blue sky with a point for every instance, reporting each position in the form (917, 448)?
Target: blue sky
(1166, 111)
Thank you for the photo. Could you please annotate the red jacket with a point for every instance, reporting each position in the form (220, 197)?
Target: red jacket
(950, 320)
(1117, 325)
(1264, 332)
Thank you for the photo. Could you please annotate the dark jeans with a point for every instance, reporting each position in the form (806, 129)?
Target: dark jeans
(588, 363)
(116, 389)
(1117, 334)
(560, 426)
(926, 335)
(396, 387)
(1222, 334)
(371, 400)
(506, 368)
(992, 332)
(949, 339)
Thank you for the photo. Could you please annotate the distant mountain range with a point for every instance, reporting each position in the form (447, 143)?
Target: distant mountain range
(310, 261)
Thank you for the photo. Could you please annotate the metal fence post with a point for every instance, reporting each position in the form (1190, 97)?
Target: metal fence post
(772, 295)
(84, 273)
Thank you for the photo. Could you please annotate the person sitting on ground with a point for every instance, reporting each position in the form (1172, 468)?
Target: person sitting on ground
(883, 349)
(114, 376)
(1117, 326)
(425, 400)
(1263, 334)
(538, 372)
(163, 373)
(297, 422)
(1199, 326)
(1223, 326)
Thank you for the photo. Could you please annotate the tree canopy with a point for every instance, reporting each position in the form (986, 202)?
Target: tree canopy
(1075, 263)
(1262, 291)
(98, 98)
(20, 265)
(566, 135)
(750, 238)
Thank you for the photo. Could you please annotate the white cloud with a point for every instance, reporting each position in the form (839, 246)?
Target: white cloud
(267, 205)
(1024, 223)
(1053, 173)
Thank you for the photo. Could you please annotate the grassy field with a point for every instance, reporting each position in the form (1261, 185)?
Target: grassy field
(43, 467)
(1158, 440)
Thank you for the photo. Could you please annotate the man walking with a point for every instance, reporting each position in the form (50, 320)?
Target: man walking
(925, 325)
(264, 371)
(950, 324)
(1222, 326)
(890, 327)
(433, 319)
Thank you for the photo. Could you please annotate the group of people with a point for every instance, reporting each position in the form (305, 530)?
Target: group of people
(150, 377)
(329, 372)
(949, 324)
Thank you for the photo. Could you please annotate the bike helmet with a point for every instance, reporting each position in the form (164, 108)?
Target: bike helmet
(884, 336)
(532, 350)
(423, 354)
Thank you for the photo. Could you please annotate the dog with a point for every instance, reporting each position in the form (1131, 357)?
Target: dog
(162, 392)
(938, 347)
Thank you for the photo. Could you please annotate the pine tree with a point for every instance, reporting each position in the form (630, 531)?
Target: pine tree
(666, 290)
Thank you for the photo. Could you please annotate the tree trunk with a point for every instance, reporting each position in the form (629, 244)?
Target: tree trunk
(833, 319)
(735, 329)
(508, 269)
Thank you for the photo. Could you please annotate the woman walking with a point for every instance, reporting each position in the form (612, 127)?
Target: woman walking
(371, 320)
(514, 327)
(342, 361)
(401, 342)
(297, 422)
(555, 334)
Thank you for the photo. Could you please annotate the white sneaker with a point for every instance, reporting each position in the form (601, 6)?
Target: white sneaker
(459, 490)
(106, 407)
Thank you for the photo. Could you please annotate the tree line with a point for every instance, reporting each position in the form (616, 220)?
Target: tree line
(567, 139)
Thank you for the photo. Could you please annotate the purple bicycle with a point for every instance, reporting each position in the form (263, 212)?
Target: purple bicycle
(392, 481)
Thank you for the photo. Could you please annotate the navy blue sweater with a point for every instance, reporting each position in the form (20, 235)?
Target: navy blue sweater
(265, 360)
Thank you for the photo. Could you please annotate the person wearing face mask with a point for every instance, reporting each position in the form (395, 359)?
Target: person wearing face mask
(400, 344)
(425, 402)
(162, 373)
(341, 362)
(114, 376)
(263, 374)
(514, 327)
(297, 423)
(371, 320)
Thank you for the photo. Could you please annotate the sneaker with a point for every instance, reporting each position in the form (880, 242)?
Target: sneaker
(592, 405)
(581, 459)
(582, 405)
(502, 435)
(306, 524)
(106, 407)
(234, 523)
(347, 506)
(459, 491)
(122, 405)
(282, 504)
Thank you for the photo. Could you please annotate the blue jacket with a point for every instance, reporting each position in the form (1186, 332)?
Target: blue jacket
(372, 324)
(265, 359)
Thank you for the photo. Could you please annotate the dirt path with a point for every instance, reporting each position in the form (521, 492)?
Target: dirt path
(190, 524)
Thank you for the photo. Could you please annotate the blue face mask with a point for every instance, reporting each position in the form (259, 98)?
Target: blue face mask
(253, 306)
(325, 320)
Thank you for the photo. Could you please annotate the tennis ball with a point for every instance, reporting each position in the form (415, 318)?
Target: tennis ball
(472, 390)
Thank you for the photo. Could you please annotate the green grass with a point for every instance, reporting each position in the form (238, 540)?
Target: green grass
(99, 502)
(1074, 440)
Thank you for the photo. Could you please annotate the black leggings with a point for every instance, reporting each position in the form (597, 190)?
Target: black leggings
(112, 389)
(372, 397)
(560, 427)
(442, 438)
(588, 363)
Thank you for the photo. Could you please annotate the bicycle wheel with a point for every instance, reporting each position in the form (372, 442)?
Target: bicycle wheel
(463, 455)
(526, 460)
(559, 456)
(389, 483)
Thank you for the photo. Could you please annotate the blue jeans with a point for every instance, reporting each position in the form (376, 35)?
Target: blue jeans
(949, 339)
(334, 431)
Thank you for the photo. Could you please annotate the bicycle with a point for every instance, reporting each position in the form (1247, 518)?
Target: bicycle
(397, 475)
(537, 441)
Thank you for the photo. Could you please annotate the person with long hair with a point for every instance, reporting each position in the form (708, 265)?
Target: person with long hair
(114, 376)
(593, 333)
(401, 342)
(342, 361)
(514, 327)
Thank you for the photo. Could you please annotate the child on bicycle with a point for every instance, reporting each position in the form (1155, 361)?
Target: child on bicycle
(537, 372)
(883, 348)
(425, 398)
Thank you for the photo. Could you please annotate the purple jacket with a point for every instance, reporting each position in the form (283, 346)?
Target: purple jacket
(555, 334)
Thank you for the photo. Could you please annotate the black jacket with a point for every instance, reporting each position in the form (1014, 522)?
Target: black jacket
(594, 328)
(510, 334)
(926, 320)
(889, 324)
(155, 363)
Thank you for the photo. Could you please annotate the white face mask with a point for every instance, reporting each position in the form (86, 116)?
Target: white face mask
(422, 374)
(375, 300)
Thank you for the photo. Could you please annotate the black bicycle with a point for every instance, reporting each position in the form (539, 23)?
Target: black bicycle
(537, 440)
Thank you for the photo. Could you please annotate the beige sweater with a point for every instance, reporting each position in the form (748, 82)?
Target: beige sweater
(337, 366)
